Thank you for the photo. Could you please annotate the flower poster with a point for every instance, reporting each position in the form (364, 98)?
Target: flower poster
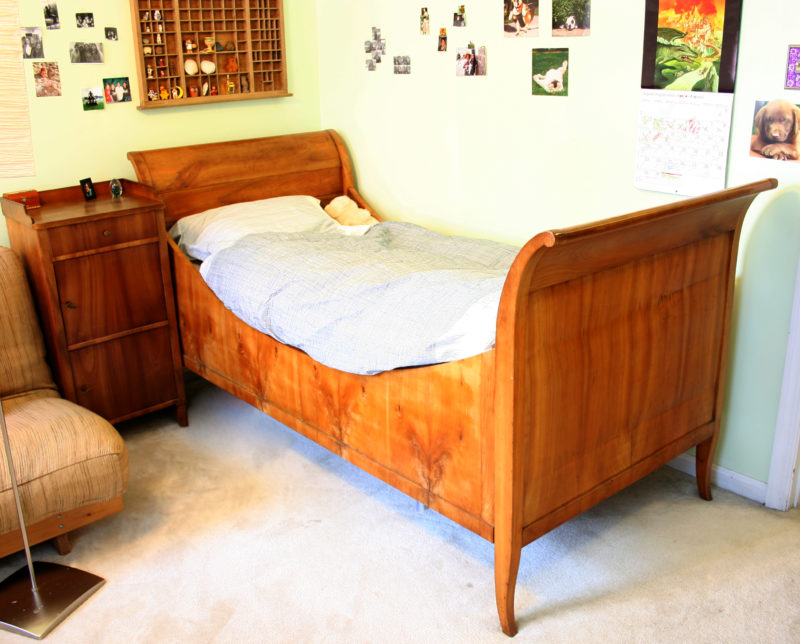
(691, 45)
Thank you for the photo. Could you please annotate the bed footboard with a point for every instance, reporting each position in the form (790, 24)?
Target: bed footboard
(611, 356)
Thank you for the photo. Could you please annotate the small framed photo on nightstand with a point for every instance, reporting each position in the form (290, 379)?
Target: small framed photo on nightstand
(88, 189)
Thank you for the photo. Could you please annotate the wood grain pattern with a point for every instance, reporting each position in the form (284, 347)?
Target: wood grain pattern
(610, 357)
(99, 272)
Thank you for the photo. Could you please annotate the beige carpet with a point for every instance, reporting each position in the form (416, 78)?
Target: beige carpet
(238, 530)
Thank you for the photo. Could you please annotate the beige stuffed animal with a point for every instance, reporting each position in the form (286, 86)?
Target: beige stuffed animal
(346, 211)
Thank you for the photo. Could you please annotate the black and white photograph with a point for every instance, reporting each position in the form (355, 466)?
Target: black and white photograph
(47, 79)
(86, 52)
(51, 20)
(92, 98)
(84, 20)
(111, 33)
(376, 48)
(402, 64)
(32, 42)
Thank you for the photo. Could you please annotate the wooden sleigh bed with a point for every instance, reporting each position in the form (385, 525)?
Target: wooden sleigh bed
(610, 358)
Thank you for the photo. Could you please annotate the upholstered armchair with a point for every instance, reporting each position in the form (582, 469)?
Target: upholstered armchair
(71, 464)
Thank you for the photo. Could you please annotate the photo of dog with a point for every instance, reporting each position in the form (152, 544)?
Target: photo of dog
(776, 130)
(553, 80)
(520, 18)
(549, 72)
(571, 17)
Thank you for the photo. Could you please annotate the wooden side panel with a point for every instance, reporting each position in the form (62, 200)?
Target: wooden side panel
(419, 429)
(612, 347)
(625, 362)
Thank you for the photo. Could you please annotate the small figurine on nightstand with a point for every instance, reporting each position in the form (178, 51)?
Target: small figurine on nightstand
(116, 188)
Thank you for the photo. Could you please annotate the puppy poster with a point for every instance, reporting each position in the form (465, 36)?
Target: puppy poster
(776, 131)
(691, 45)
(550, 72)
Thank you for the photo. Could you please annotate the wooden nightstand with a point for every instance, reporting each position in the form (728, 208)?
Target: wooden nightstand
(100, 275)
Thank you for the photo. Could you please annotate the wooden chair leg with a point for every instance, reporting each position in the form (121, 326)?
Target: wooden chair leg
(62, 543)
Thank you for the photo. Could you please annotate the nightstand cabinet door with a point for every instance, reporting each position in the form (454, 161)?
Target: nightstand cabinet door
(119, 377)
(110, 292)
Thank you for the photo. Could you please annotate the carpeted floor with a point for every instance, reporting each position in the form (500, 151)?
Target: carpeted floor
(238, 530)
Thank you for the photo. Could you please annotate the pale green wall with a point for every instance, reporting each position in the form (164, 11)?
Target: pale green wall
(483, 156)
(478, 155)
(70, 144)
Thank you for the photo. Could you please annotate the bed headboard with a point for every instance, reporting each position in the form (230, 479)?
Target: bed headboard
(193, 178)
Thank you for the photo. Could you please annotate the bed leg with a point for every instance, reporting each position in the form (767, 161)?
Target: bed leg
(704, 454)
(506, 567)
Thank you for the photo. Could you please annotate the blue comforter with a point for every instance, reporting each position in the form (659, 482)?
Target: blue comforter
(400, 295)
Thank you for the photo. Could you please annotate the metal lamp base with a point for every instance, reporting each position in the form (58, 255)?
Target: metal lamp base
(60, 590)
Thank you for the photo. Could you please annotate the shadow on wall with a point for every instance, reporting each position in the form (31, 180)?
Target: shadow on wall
(762, 310)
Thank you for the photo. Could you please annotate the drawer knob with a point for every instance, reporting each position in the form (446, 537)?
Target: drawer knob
(106, 233)
(70, 305)
(85, 389)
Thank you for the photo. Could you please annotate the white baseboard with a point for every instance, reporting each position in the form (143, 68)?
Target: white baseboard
(725, 479)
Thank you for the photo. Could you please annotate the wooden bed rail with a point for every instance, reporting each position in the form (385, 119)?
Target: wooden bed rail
(611, 357)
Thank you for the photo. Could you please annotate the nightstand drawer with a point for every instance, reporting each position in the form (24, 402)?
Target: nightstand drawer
(75, 238)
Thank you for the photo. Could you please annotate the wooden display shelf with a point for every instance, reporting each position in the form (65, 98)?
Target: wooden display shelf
(191, 52)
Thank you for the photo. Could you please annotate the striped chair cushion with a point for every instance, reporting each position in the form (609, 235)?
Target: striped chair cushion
(65, 456)
(22, 354)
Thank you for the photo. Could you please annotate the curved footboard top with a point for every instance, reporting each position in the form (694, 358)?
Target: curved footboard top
(611, 356)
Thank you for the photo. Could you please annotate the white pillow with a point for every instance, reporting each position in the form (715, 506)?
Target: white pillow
(212, 230)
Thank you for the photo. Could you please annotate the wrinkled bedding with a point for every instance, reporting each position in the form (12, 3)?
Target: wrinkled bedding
(398, 296)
